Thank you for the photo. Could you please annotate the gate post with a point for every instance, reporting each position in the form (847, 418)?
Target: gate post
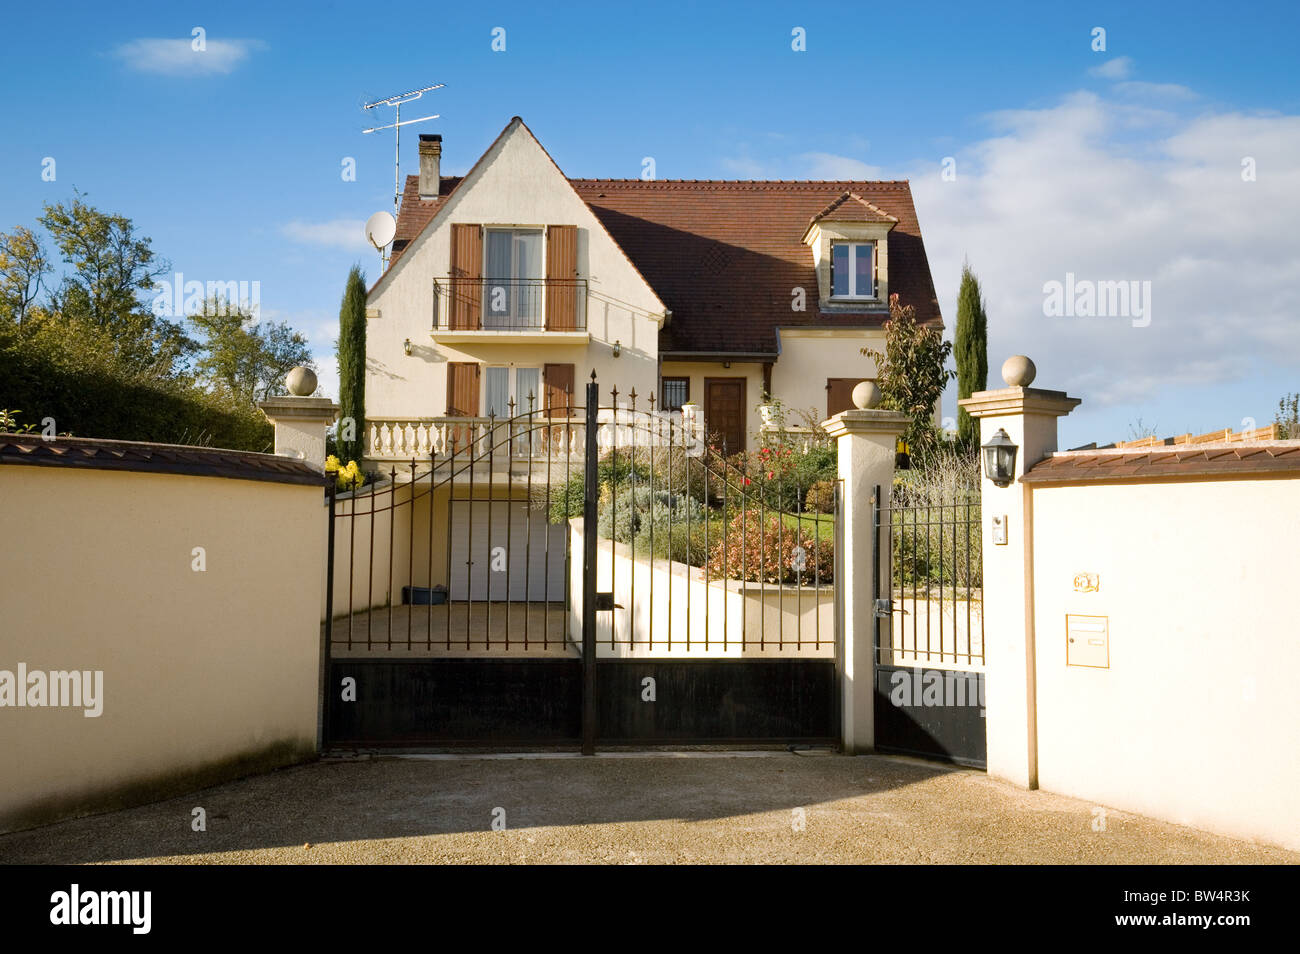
(300, 421)
(589, 565)
(866, 439)
(1028, 417)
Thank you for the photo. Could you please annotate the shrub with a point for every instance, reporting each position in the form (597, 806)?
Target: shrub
(780, 477)
(754, 549)
(945, 497)
(821, 497)
(567, 498)
(633, 513)
(50, 372)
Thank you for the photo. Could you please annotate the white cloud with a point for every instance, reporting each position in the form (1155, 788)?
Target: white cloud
(1111, 192)
(744, 168)
(338, 233)
(1121, 67)
(178, 57)
(825, 165)
(1169, 91)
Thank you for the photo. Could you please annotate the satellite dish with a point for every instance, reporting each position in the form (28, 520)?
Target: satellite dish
(380, 229)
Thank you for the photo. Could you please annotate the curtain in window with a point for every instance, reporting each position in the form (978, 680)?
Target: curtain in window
(528, 381)
(498, 392)
(840, 269)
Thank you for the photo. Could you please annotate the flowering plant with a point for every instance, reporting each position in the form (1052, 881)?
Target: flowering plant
(348, 476)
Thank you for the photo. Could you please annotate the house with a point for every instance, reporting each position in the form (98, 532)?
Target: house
(509, 285)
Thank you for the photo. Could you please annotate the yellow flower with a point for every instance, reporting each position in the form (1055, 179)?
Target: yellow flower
(331, 463)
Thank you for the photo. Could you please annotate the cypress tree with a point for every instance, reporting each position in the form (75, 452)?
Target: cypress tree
(971, 349)
(352, 366)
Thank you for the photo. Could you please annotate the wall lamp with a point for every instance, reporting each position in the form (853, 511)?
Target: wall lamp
(618, 348)
(407, 347)
(1000, 459)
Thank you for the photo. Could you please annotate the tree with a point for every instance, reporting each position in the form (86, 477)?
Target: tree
(23, 266)
(1287, 418)
(912, 373)
(352, 366)
(111, 268)
(971, 349)
(244, 357)
(91, 354)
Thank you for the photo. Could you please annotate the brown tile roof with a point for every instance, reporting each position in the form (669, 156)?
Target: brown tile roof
(1224, 460)
(725, 255)
(851, 207)
(89, 453)
(416, 212)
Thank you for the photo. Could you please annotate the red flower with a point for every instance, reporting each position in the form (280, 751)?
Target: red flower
(746, 481)
(771, 474)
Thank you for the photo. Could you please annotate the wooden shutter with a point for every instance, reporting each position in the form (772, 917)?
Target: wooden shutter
(466, 272)
(561, 278)
(462, 400)
(839, 394)
(557, 381)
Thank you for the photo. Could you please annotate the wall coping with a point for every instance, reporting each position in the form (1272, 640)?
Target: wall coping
(1226, 461)
(867, 421)
(1017, 400)
(299, 408)
(86, 453)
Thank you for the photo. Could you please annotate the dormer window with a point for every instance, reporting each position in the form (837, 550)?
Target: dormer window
(853, 270)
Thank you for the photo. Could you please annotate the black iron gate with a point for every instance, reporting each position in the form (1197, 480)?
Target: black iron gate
(575, 576)
(929, 646)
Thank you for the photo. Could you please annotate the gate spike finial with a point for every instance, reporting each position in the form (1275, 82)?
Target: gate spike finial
(593, 374)
(613, 395)
(652, 402)
(632, 396)
(511, 405)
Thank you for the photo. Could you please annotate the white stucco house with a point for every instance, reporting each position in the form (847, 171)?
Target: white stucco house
(509, 285)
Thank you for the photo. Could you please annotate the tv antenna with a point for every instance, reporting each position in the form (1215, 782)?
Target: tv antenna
(396, 102)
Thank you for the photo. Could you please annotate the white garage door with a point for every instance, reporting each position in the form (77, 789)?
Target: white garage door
(501, 554)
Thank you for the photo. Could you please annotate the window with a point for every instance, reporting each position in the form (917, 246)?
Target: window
(501, 385)
(512, 278)
(676, 392)
(853, 269)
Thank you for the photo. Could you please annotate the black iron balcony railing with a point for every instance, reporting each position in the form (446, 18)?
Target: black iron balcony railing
(489, 304)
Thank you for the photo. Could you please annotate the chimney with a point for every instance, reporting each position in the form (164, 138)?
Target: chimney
(430, 160)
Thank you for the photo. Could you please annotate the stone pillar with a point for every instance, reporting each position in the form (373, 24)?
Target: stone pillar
(300, 421)
(1029, 417)
(867, 438)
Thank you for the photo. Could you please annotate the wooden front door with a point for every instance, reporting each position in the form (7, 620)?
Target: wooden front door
(724, 413)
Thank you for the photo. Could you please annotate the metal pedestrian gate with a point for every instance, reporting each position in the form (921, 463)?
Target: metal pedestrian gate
(929, 645)
(581, 576)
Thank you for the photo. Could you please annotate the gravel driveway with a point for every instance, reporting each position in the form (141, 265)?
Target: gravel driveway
(765, 807)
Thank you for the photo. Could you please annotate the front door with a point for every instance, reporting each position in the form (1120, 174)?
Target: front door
(724, 413)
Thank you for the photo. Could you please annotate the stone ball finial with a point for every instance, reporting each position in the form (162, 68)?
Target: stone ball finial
(866, 395)
(301, 382)
(1018, 371)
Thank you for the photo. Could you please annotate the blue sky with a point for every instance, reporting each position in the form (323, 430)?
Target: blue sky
(1117, 165)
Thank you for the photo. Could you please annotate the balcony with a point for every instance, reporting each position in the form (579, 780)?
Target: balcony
(513, 311)
(533, 437)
